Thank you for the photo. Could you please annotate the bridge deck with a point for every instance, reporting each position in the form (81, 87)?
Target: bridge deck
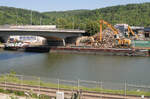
(44, 30)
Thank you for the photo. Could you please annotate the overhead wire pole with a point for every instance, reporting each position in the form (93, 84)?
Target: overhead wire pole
(41, 21)
(125, 89)
(31, 17)
(73, 22)
(16, 17)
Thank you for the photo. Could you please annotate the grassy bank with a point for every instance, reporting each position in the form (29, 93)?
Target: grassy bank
(11, 78)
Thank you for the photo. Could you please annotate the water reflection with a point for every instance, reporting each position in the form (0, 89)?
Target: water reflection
(77, 66)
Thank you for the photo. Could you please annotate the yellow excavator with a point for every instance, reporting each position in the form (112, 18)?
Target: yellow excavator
(115, 31)
(131, 31)
(120, 42)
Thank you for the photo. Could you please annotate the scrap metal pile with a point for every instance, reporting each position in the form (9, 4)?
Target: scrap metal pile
(85, 41)
(108, 40)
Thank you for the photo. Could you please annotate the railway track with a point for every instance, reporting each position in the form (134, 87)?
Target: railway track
(68, 93)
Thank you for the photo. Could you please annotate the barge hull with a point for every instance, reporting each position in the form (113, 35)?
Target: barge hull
(100, 51)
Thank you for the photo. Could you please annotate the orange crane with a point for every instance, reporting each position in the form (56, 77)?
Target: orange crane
(110, 26)
(122, 42)
(131, 31)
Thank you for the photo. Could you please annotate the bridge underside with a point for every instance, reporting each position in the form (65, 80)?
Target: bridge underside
(53, 39)
(2, 40)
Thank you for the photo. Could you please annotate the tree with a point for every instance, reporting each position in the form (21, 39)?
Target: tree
(92, 27)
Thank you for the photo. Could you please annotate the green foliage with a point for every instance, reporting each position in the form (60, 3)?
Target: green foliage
(132, 14)
(92, 27)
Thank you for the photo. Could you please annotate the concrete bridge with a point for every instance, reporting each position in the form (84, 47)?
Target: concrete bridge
(51, 34)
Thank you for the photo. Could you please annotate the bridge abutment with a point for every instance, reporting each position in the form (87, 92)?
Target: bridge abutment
(3, 39)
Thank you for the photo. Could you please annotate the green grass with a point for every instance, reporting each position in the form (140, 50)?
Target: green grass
(13, 79)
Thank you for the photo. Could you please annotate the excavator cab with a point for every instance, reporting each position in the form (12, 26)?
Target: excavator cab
(123, 43)
(116, 36)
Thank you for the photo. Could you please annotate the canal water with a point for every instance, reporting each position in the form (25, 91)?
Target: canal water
(77, 66)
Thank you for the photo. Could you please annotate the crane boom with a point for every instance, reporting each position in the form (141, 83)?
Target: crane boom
(131, 31)
(123, 41)
(109, 25)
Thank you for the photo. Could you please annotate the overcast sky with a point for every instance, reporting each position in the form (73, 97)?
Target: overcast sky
(62, 5)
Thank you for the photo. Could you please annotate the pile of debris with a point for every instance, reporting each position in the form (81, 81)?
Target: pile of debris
(108, 39)
(85, 41)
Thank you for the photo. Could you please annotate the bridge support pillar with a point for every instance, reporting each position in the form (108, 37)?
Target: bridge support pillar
(64, 43)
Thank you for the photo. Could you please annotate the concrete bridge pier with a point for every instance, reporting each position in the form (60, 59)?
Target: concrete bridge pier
(64, 43)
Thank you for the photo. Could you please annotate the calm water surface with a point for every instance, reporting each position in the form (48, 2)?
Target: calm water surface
(77, 66)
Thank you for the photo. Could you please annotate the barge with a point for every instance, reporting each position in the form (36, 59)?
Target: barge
(86, 50)
(102, 51)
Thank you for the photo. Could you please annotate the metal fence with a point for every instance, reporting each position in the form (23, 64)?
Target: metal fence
(102, 87)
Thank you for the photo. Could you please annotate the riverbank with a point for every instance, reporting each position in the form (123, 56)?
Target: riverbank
(20, 84)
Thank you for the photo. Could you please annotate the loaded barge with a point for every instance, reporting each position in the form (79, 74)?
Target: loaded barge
(86, 50)
(101, 51)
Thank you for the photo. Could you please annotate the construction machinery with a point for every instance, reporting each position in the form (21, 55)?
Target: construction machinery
(131, 31)
(85, 39)
(120, 41)
(116, 32)
(105, 39)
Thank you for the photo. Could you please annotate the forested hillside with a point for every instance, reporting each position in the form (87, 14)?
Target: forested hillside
(132, 14)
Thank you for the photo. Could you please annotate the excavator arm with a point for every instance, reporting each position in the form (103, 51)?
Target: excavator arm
(123, 42)
(108, 25)
(131, 31)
